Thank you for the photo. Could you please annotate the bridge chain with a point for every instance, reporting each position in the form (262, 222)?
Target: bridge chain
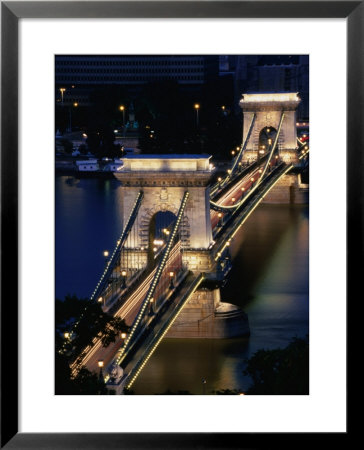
(155, 281)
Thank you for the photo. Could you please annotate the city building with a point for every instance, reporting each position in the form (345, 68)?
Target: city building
(269, 73)
(79, 74)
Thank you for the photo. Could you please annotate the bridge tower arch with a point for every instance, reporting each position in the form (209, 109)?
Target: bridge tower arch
(268, 109)
(164, 179)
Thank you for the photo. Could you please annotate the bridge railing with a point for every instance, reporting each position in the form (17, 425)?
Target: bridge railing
(157, 338)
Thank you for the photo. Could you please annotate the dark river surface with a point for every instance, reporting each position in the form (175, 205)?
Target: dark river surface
(269, 280)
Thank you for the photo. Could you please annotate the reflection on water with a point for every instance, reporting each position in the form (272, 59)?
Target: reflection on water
(269, 280)
(182, 364)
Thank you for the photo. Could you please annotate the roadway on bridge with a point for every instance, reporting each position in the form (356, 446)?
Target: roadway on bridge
(127, 311)
(236, 192)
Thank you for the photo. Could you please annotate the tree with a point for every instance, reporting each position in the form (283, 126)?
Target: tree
(82, 149)
(280, 371)
(67, 145)
(179, 392)
(227, 392)
(87, 320)
(85, 382)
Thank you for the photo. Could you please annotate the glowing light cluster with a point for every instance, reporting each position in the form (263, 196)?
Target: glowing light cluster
(279, 97)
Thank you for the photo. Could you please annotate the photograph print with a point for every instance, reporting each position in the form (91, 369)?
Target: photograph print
(182, 224)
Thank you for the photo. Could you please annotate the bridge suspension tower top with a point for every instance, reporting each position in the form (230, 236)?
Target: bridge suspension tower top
(267, 109)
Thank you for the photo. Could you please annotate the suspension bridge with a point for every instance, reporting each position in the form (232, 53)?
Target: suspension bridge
(177, 229)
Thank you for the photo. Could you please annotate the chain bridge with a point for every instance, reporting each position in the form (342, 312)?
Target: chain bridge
(164, 274)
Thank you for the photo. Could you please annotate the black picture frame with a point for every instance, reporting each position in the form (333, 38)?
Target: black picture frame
(11, 12)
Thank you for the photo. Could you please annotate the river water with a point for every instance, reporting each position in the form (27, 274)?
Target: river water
(269, 280)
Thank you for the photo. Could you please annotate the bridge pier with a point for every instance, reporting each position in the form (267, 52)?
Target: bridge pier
(198, 260)
(288, 190)
(206, 316)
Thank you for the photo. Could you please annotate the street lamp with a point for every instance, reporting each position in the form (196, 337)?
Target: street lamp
(123, 274)
(75, 104)
(197, 107)
(106, 254)
(122, 108)
(171, 275)
(100, 363)
(62, 91)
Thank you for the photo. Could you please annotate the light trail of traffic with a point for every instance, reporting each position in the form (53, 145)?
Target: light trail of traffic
(236, 192)
(127, 311)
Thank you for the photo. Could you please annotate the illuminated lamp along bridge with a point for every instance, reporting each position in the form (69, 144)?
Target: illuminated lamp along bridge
(164, 274)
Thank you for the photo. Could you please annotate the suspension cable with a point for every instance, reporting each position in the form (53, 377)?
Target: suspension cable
(156, 278)
(216, 206)
(236, 160)
(243, 146)
(119, 245)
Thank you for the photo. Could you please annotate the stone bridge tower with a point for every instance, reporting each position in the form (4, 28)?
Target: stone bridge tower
(164, 179)
(268, 109)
